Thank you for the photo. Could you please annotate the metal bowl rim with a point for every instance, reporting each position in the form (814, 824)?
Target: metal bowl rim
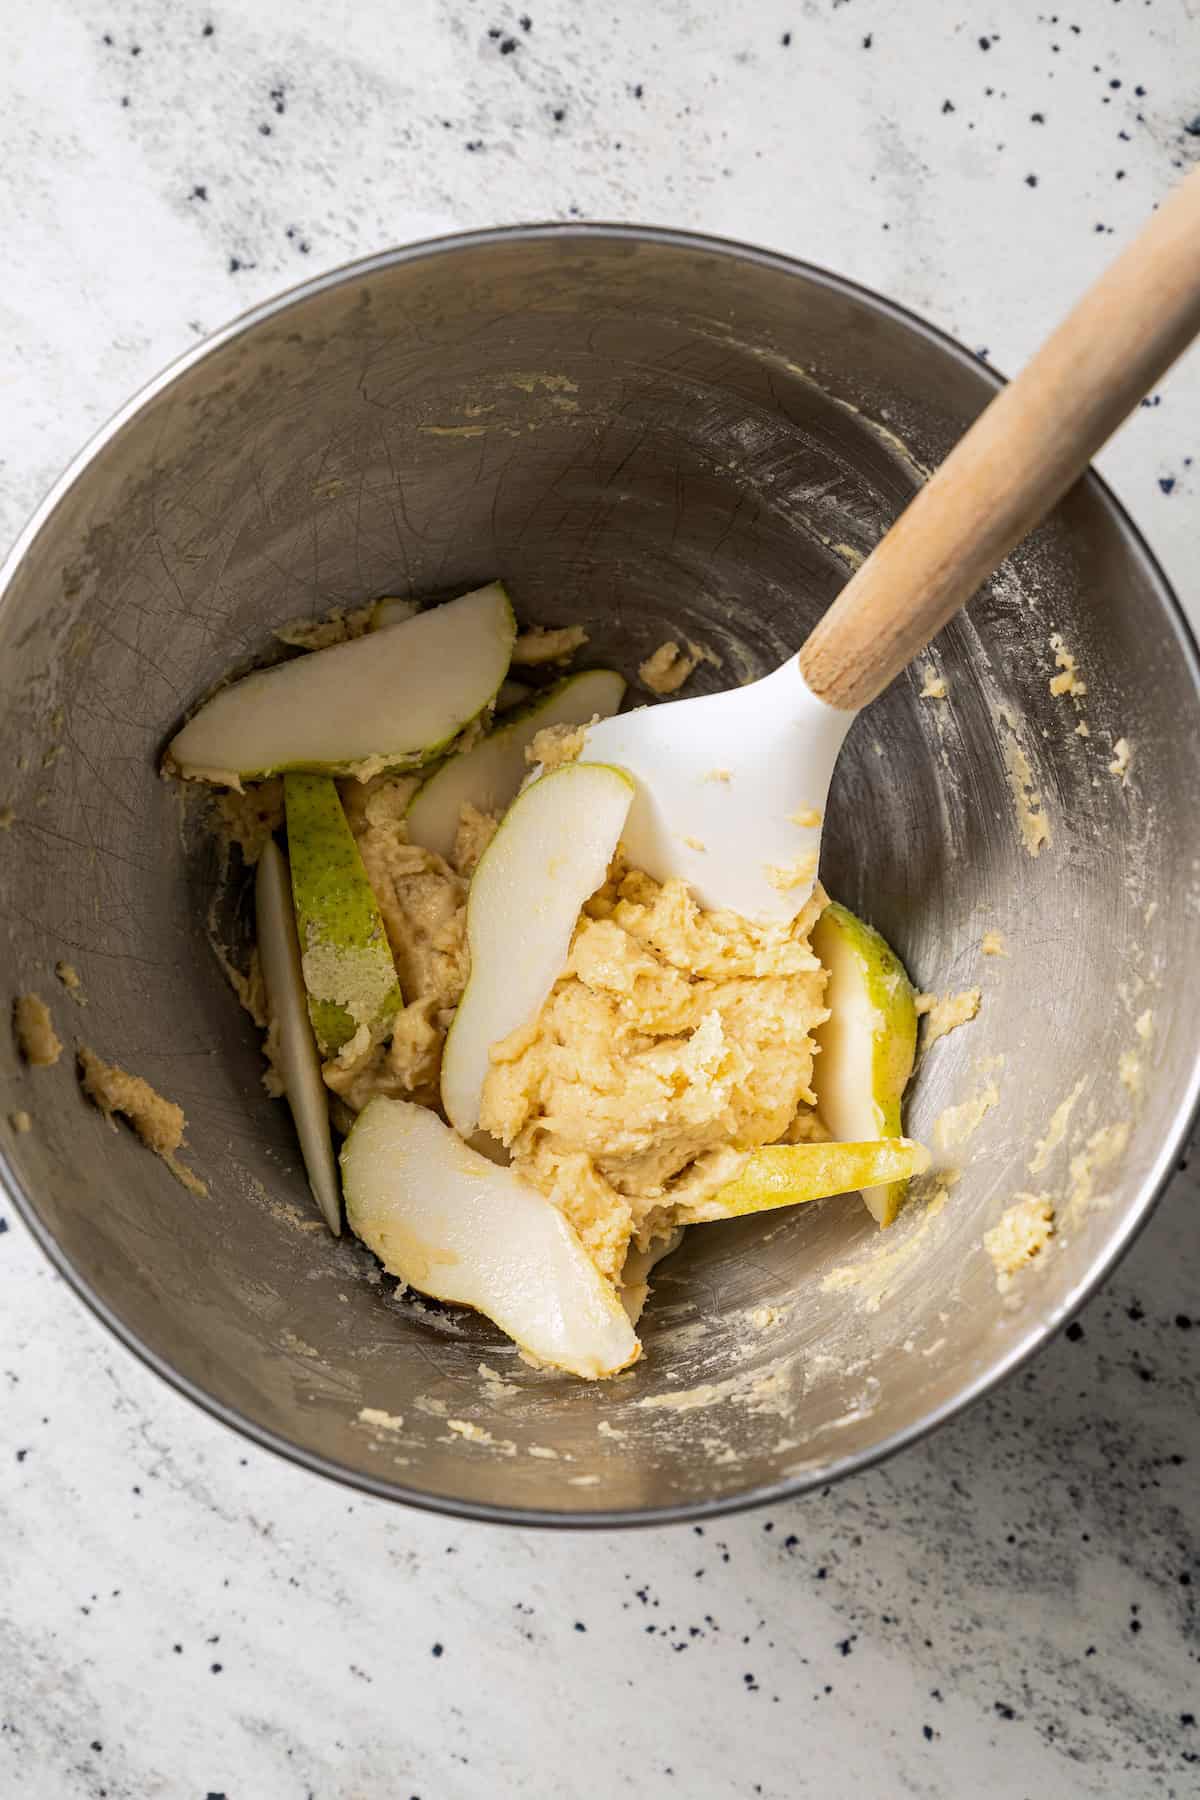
(1152, 1185)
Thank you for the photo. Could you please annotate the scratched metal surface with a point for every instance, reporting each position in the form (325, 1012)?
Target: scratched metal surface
(649, 437)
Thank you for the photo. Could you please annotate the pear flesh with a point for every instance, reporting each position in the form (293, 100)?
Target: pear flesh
(392, 611)
(550, 854)
(447, 1221)
(788, 1174)
(390, 699)
(298, 1063)
(489, 775)
(867, 1045)
(513, 693)
(346, 959)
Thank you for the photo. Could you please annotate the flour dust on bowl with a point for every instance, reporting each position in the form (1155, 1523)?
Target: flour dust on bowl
(655, 438)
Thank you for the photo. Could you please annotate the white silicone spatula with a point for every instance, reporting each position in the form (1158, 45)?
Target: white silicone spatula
(732, 788)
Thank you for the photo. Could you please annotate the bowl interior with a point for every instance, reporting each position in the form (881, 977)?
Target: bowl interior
(656, 438)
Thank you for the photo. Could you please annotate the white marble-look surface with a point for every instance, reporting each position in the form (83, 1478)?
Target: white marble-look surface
(1007, 1610)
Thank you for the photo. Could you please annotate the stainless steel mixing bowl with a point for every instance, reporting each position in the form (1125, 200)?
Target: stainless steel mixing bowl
(655, 435)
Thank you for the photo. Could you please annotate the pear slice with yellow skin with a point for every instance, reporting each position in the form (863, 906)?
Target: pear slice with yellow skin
(488, 775)
(348, 967)
(297, 1062)
(867, 1045)
(789, 1174)
(389, 699)
(458, 1227)
(550, 854)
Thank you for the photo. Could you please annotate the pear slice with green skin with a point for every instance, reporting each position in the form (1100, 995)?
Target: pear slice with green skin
(489, 774)
(867, 1045)
(298, 1063)
(390, 699)
(394, 611)
(789, 1174)
(550, 854)
(458, 1227)
(346, 959)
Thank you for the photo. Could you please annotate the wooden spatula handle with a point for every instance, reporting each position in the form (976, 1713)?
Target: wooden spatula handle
(1019, 457)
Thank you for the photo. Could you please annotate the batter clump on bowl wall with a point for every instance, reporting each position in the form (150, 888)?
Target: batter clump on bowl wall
(574, 1060)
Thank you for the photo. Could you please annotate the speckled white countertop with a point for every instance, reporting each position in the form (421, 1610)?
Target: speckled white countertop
(1008, 1610)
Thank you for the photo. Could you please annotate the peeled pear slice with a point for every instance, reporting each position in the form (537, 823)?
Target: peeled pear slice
(488, 775)
(298, 1063)
(787, 1174)
(345, 956)
(390, 699)
(449, 1222)
(550, 854)
(867, 1044)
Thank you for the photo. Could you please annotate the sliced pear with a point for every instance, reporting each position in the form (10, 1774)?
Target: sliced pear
(392, 611)
(390, 699)
(449, 1222)
(788, 1174)
(345, 955)
(513, 693)
(551, 853)
(867, 1044)
(638, 1268)
(297, 1060)
(488, 775)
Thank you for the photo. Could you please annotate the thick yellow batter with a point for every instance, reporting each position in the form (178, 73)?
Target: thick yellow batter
(674, 1041)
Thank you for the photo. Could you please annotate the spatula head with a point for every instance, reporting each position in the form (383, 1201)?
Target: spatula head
(731, 790)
